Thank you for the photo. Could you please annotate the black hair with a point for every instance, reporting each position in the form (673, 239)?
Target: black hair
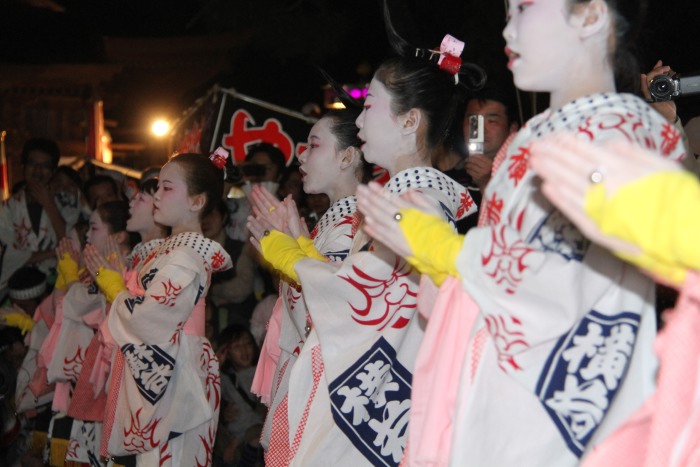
(628, 16)
(45, 145)
(503, 94)
(344, 129)
(114, 214)
(149, 186)
(233, 333)
(99, 180)
(25, 277)
(72, 174)
(274, 153)
(223, 211)
(202, 177)
(414, 80)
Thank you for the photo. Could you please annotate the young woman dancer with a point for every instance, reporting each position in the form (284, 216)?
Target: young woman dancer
(83, 309)
(332, 164)
(363, 309)
(553, 337)
(89, 396)
(164, 390)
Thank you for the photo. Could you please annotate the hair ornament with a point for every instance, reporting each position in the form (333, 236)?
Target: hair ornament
(219, 157)
(447, 57)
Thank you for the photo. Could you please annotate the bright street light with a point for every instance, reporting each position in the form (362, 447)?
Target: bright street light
(160, 128)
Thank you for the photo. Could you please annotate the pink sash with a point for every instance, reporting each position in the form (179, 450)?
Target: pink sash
(437, 374)
(269, 355)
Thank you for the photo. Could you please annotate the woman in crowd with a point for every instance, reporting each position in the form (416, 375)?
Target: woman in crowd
(363, 309)
(84, 308)
(164, 392)
(552, 340)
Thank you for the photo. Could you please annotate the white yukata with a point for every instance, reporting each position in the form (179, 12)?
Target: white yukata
(84, 307)
(332, 236)
(560, 352)
(20, 241)
(88, 399)
(165, 389)
(363, 313)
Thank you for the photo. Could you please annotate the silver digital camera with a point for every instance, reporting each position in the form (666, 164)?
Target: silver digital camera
(665, 88)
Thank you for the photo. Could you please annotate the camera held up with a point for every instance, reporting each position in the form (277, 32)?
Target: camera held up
(665, 88)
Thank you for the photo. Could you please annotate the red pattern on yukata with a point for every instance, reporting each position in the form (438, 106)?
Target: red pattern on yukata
(505, 263)
(317, 371)
(112, 399)
(670, 137)
(517, 167)
(84, 405)
(372, 288)
(509, 340)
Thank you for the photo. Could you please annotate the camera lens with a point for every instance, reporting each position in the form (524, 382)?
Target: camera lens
(661, 88)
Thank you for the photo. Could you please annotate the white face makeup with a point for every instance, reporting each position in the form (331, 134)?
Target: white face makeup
(379, 127)
(98, 232)
(171, 200)
(541, 44)
(320, 161)
(140, 213)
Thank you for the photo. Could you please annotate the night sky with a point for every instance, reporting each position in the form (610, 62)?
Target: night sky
(290, 37)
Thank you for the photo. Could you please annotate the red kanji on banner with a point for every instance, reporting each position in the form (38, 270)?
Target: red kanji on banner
(244, 133)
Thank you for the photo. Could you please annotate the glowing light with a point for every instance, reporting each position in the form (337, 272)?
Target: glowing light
(160, 128)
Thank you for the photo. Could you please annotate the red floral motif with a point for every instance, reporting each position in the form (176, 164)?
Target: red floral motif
(72, 450)
(22, 231)
(505, 263)
(72, 366)
(670, 136)
(139, 438)
(210, 364)
(217, 260)
(610, 121)
(314, 232)
(165, 454)
(135, 261)
(517, 168)
(293, 295)
(466, 203)
(208, 443)
(397, 291)
(175, 338)
(170, 293)
(492, 210)
(508, 342)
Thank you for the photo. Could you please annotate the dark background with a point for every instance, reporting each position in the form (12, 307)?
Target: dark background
(276, 43)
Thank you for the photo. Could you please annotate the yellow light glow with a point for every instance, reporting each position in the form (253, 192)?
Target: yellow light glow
(160, 128)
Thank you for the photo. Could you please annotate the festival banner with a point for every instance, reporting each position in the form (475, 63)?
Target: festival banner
(236, 122)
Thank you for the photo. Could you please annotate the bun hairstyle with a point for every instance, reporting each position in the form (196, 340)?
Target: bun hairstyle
(415, 80)
(202, 177)
(628, 17)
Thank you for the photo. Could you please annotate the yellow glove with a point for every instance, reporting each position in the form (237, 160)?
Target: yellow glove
(434, 243)
(282, 252)
(19, 320)
(111, 283)
(309, 248)
(660, 214)
(67, 270)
